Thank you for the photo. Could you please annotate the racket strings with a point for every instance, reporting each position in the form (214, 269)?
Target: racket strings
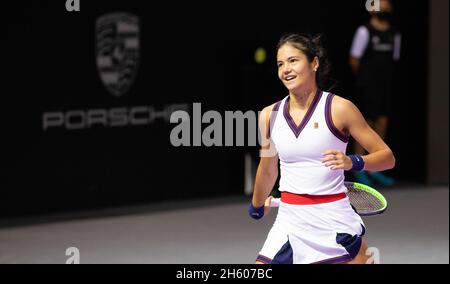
(363, 201)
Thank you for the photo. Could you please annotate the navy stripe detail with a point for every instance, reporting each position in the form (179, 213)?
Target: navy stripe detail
(298, 129)
(335, 260)
(352, 244)
(272, 117)
(263, 259)
(329, 119)
(285, 255)
(277, 106)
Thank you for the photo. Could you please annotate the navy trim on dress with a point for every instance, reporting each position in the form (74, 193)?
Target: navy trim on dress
(273, 117)
(329, 119)
(264, 259)
(298, 129)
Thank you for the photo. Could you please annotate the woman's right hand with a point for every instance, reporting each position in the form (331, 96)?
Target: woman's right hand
(267, 205)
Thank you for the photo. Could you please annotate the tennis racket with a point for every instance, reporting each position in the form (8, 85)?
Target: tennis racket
(366, 200)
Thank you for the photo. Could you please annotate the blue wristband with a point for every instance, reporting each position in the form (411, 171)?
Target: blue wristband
(357, 163)
(255, 213)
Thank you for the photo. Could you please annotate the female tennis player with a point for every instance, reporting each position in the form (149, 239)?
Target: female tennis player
(310, 129)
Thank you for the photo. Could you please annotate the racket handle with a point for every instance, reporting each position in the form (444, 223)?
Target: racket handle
(275, 202)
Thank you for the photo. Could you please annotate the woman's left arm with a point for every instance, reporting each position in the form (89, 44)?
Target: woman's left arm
(347, 116)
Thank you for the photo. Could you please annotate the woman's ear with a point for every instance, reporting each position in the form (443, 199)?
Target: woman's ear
(315, 64)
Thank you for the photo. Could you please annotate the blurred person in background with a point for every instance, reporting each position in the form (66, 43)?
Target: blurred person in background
(374, 51)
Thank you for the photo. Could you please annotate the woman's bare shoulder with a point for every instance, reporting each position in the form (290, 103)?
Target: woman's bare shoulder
(342, 105)
(269, 108)
(266, 112)
(345, 110)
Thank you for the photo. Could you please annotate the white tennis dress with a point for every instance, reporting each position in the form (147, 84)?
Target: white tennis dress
(316, 233)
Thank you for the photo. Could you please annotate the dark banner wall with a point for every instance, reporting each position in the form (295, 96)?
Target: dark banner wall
(79, 133)
(439, 92)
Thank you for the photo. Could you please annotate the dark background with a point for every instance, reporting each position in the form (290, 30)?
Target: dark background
(189, 52)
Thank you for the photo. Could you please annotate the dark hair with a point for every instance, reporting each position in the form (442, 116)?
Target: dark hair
(312, 46)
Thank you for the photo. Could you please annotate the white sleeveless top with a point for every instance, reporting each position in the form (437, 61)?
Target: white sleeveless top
(300, 147)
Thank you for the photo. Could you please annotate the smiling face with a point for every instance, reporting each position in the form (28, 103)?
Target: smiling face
(295, 70)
